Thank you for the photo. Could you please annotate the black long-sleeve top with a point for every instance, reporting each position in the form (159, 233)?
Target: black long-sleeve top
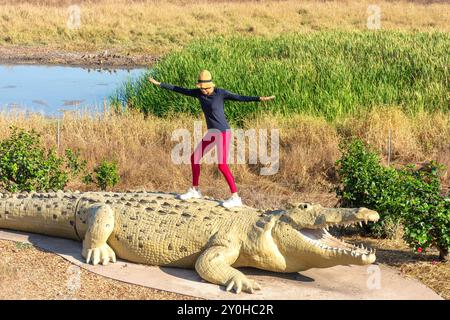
(212, 105)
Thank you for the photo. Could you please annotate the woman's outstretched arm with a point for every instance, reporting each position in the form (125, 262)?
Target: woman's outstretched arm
(236, 97)
(186, 92)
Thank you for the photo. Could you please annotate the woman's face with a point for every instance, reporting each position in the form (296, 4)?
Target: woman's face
(207, 91)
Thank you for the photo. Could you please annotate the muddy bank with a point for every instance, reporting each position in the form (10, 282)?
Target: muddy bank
(98, 59)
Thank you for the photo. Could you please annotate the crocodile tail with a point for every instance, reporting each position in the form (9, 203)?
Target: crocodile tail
(44, 213)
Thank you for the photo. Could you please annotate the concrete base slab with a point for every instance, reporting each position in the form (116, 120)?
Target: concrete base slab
(340, 282)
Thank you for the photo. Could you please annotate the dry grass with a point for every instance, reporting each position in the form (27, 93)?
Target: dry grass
(414, 139)
(308, 151)
(157, 27)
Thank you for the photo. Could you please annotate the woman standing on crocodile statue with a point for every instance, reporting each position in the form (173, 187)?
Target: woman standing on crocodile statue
(219, 132)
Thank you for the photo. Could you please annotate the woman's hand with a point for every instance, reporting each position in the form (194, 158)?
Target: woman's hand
(154, 81)
(266, 98)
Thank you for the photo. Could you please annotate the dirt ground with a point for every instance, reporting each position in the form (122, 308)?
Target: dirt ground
(48, 56)
(27, 272)
(424, 266)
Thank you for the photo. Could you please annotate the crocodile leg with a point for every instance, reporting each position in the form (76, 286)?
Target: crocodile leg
(100, 226)
(214, 265)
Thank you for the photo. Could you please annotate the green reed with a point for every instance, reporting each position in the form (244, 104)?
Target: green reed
(331, 74)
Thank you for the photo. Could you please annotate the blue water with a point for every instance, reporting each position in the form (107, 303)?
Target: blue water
(51, 90)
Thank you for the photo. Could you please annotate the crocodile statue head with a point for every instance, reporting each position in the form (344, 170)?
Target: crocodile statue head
(302, 237)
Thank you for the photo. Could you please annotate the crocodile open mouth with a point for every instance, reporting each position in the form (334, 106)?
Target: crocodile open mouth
(325, 241)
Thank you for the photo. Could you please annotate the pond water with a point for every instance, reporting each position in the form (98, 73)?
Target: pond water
(52, 90)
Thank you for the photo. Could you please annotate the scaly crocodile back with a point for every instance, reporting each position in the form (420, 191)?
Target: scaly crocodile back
(150, 227)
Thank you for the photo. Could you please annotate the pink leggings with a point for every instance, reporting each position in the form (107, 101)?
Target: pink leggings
(211, 138)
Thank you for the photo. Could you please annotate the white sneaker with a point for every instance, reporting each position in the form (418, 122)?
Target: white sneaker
(191, 193)
(234, 201)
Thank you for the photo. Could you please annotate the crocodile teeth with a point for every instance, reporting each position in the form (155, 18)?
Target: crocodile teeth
(360, 224)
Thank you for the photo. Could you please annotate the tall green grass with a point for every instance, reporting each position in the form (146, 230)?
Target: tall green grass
(330, 74)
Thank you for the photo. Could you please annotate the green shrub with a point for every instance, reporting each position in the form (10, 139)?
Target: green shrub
(366, 183)
(76, 165)
(327, 73)
(426, 217)
(106, 174)
(407, 195)
(25, 165)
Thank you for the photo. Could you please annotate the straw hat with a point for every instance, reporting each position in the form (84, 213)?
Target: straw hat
(205, 79)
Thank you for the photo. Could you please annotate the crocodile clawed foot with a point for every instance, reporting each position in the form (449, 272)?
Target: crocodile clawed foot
(103, 254)
(240, 283)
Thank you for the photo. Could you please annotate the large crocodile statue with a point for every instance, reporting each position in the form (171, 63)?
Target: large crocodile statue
(159, 229)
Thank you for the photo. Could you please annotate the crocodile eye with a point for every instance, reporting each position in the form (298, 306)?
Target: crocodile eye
(304, 206)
